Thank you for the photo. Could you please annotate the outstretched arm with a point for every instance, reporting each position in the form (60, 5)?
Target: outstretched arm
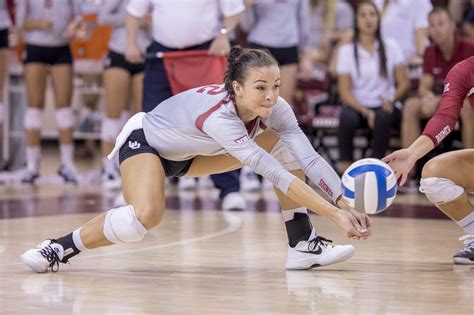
(440, 125)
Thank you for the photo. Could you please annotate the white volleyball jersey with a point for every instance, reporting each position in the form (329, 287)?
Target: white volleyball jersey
(203, 121)
(4, 15)
(113, 13)
(60, 13)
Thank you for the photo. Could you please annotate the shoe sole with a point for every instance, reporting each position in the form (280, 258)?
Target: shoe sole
(463, 261)
(300, 265)
(31, 263)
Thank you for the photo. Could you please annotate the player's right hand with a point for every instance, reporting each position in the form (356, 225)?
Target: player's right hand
(401, 161)
(133, 54)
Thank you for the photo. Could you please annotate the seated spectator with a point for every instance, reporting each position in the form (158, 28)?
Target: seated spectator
(406, 22)
(371, 80)
(446, 50)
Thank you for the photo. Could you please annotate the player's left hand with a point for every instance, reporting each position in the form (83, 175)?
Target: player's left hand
(363, 219)
(220, 46)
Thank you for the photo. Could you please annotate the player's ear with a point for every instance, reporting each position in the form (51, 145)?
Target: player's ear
(237, 88)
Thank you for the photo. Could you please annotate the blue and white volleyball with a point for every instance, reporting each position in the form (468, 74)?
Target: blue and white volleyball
(369, 185)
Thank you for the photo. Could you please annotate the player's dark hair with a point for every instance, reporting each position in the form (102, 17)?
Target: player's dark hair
(378, 36)
(240, 60)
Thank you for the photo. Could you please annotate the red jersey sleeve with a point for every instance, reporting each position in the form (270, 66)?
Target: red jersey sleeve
(458, 84)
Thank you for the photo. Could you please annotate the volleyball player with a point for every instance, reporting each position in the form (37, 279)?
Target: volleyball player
(48, 27)
(214, 129)
(123, 81)
(448, 178)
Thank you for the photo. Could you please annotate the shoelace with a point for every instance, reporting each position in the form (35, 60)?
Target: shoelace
(52, 257)
(468, 240)
(317, 240)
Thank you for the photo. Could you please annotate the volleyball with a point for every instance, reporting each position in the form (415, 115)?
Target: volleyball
(369, 185)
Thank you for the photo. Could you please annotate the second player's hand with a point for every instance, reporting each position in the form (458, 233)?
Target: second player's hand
(401, 161)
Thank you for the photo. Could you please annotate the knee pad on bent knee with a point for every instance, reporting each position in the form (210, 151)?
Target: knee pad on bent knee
(110, 129)
(33, 118)
(65, 118)
(121, 225)
(281, 153)
(440, 190)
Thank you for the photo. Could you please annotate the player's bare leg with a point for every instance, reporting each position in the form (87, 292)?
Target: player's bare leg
(143, 187)
(447, 181)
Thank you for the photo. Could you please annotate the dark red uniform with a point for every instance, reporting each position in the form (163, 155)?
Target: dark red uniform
(459, 84)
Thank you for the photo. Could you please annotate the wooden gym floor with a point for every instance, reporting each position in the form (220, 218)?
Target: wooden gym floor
(202, 260)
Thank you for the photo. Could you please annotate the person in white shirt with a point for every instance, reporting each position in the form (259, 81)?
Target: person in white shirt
(5, 23)
(371, 80)
(406, 22)
(183, 25)
(217, 128)
(282, 27)
(123, 82)
(48, 27)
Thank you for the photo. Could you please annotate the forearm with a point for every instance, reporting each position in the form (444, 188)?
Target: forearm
(402, 89)
(132, 25)
(308, 198)
(349, 99)
(230, 22)
(421, 147)
(421, 36)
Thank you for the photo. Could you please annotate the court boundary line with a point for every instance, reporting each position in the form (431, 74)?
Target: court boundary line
(234, 224)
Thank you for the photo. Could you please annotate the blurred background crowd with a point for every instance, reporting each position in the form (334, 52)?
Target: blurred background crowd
(362, 79)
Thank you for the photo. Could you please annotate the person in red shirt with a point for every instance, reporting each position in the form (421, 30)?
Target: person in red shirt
(446, 50)
(448, 178)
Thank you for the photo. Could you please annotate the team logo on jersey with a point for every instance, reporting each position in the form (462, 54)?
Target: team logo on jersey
(440, 136)
(446, 88)
(242, 139)
(134, 145)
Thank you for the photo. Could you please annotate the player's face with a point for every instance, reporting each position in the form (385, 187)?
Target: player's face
(260, 91)
(367, 19)
(441, 27)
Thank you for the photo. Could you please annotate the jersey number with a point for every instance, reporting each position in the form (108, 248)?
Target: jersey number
(211, 89)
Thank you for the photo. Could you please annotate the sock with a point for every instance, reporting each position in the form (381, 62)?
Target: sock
(467, 223)
(66, 152)
(2, 112)
(298, 225)
(32, 157)
(72, 245)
